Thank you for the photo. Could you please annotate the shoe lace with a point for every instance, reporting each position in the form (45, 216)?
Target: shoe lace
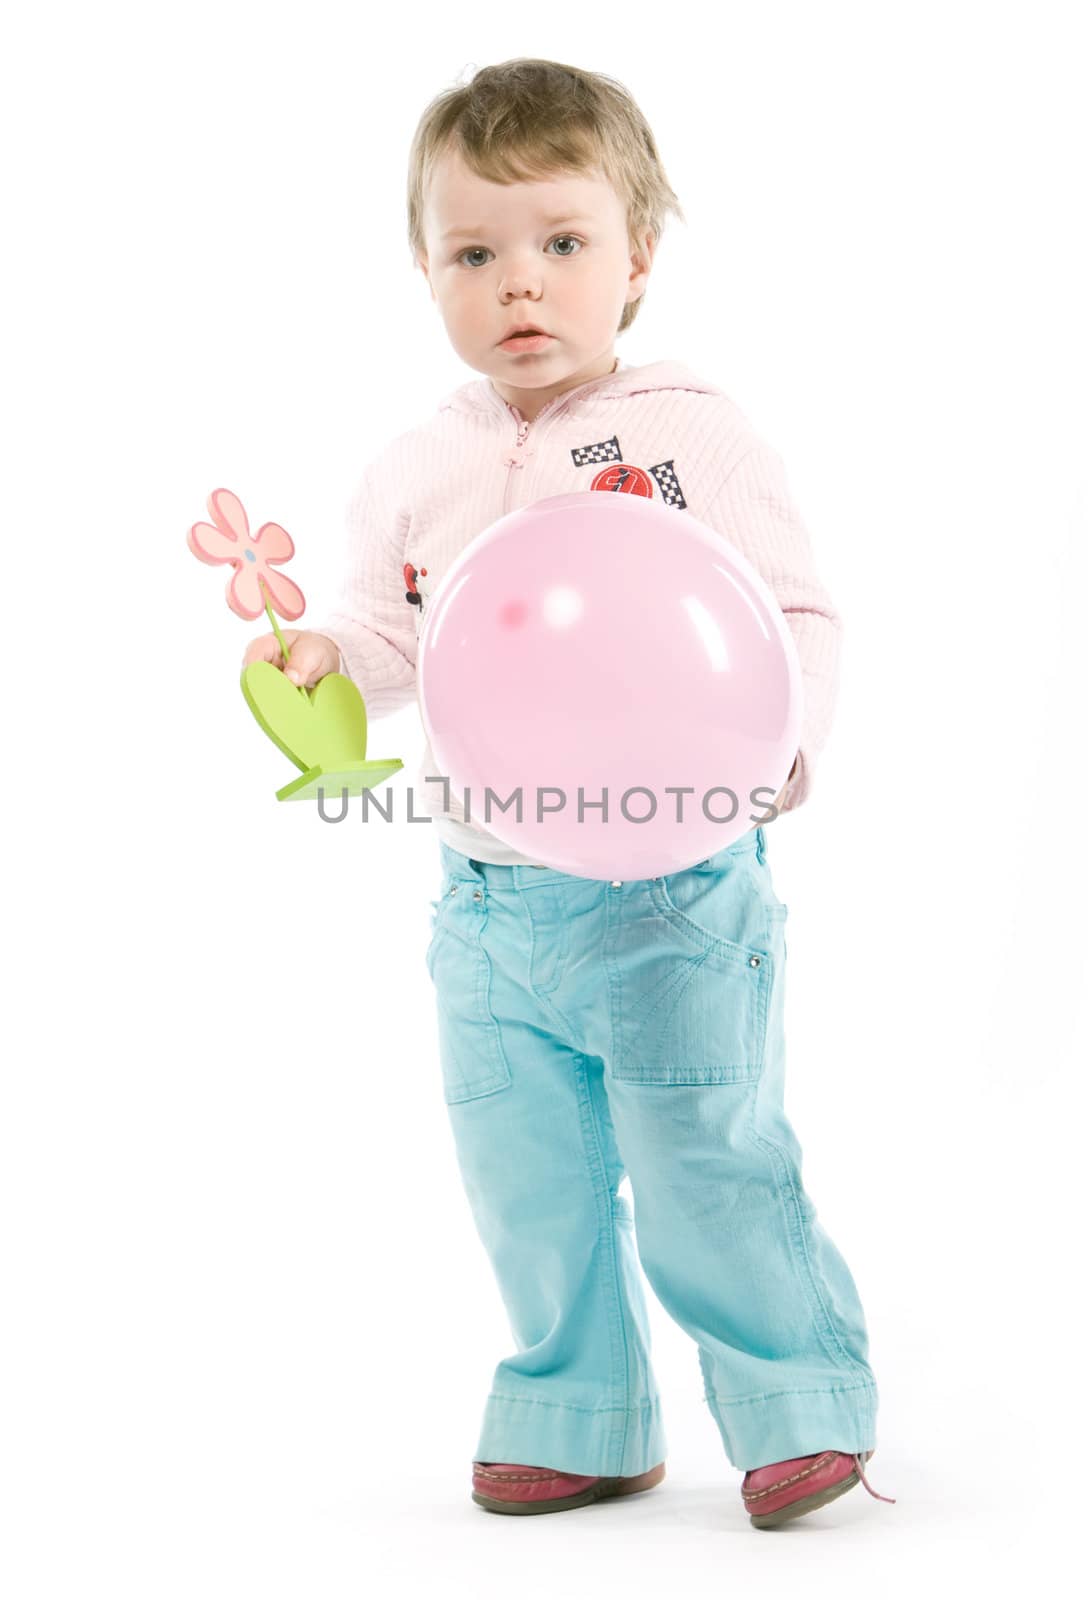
(859, 1461)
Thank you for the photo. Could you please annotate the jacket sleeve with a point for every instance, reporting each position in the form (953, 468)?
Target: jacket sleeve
(371, 622)
(755, 510)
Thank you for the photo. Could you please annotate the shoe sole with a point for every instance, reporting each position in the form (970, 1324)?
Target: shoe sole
(811, 1502)
(603, 1489)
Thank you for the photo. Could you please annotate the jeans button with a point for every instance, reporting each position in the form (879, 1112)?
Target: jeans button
(478, 894)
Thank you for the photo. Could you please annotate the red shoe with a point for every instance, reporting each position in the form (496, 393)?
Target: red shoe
(788, 1489)
(505, 1486)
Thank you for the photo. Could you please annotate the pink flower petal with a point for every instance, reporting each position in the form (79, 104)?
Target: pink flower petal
(273, 542)
(211, 544)
(244, 594)
(285, 597)
(228, 513)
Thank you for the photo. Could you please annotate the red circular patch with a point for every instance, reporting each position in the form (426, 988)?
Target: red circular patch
(620, 478)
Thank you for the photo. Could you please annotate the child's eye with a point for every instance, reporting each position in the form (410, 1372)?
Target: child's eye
(565, 254)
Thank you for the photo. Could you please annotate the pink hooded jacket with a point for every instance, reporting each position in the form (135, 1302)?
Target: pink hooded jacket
(434, 488)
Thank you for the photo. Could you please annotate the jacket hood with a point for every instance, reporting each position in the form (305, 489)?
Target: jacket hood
(481, 395)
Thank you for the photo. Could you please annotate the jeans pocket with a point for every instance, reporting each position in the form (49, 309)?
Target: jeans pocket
(470, 1045)
(695, 983)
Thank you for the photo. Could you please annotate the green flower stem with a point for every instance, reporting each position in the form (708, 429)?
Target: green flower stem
(276, 630)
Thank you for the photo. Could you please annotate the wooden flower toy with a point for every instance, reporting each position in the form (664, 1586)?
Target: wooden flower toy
(323, 729)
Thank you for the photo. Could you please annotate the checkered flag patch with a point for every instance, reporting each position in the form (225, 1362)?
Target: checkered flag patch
(591, 455)
(665, 477)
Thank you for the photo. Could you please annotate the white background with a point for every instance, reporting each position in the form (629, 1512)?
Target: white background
(249, 1327)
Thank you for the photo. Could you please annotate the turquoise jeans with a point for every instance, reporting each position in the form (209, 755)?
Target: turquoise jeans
(590, 1029)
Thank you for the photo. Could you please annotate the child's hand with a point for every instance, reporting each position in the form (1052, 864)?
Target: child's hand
(785, 786)
(312, 654)
(775, 803)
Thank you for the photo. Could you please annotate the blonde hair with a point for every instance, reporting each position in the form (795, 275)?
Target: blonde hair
(526, 119)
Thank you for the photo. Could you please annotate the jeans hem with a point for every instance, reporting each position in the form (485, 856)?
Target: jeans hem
(760, 1429)
(602, 1441)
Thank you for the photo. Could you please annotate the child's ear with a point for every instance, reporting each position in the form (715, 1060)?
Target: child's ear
(649, 245)
(642, 256)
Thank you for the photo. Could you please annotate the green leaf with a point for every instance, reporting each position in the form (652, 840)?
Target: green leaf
(320, 727)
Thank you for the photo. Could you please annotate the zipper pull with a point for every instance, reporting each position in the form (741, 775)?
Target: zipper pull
(523, 432)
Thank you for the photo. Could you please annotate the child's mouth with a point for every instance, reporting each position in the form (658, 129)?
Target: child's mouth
(525, 341)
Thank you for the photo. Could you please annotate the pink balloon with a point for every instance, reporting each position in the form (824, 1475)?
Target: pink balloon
(606, 644)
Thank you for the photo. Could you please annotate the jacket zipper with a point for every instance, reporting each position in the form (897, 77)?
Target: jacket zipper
(513, 462)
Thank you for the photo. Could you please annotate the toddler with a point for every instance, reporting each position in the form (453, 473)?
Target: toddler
(590, 1029)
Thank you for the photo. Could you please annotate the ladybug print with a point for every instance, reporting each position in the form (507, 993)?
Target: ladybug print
(413, 595)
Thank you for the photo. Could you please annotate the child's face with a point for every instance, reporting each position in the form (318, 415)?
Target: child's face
(510, 264)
